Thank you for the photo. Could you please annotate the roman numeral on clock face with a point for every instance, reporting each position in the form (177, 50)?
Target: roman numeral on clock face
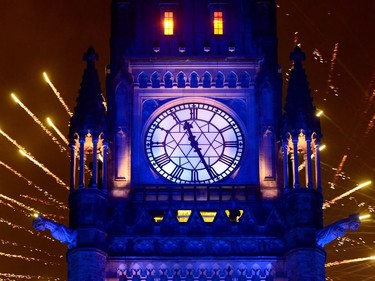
(226, 128)
(175, 117)
(193, 112)
(194, 176)
(230, 143)
(227, 160)
(177, 172)
(162, 160)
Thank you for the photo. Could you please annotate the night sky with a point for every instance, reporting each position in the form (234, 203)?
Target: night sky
(51, 36)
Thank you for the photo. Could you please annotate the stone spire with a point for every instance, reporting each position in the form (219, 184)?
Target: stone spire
(89, 113)
(299, 112)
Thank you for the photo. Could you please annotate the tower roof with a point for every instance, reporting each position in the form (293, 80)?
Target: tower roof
(89, 113)
(299, 111)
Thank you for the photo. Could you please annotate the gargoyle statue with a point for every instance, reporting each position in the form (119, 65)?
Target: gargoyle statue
(58, 231)
(337, 229)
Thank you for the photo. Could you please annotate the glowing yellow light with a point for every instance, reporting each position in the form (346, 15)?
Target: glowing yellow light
(49, 121)
(37, 121)
(158, 219)
(183, 215)
(208, 216)
(36, 215)
(322, 147)
(46, 78)
(364, 184)
(14, 97)
(363, 217)
(349, 261)
(22, 152)
(218, 23)
(61, 100)
(168, 23)
(328, 203)
(227, 212)
(45, 169)
(319, 113)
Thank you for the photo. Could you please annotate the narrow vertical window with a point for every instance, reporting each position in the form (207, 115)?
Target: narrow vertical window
(218, 23)
(168, 23)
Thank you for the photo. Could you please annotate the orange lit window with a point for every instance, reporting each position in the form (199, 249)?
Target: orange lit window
(218, 23)
(168, 23)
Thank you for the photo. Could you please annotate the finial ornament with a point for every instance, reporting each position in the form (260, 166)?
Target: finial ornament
(90, 56)
(297, 55)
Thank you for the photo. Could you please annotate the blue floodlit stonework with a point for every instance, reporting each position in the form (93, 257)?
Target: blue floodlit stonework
(192, 170)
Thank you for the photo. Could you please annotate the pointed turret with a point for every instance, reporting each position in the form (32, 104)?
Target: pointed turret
(88, 196)
(303, 198)
(300, 129)
(299, 110)
(89, 113)
(88, 128)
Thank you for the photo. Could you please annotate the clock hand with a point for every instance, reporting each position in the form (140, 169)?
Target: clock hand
(194, 144)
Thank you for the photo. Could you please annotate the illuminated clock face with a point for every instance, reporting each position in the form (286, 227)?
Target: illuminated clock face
(194, 143)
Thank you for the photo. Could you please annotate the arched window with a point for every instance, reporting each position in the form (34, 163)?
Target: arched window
(219, 80)
(193, 80)
(168, 80)
(181, 80)
(232, 80)
(155, 80)
(245, 80)
(206, 80)
(142, 80)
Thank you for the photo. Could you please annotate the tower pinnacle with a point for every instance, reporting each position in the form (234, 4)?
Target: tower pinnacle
(299, 111)
(89, 113)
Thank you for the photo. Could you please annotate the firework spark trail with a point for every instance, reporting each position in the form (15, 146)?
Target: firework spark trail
(371, 91)
(295, 39)
(61, 100)
(32, 159)
(28, 248)
(28, 208)
(349, 261)
(318, 56)
(60, 205)
(353, 243)
(7, 204)
(44, 168)
(370, 124)
(19, 227)
(369, 103)
(49, 121)
(37, 121)
(16, 277)
(22, 257)
(339, 169)
(330, 202)
(11, 140)
(27, 214)
(331, 70)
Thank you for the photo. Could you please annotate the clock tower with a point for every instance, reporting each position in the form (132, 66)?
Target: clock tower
(193, 171)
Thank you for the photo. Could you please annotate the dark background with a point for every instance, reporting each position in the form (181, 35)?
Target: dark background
(51, 36)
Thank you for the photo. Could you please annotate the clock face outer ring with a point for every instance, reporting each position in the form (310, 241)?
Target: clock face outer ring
(194, 142)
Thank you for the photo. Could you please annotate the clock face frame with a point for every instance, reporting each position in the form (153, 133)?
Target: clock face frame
(194, 143)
